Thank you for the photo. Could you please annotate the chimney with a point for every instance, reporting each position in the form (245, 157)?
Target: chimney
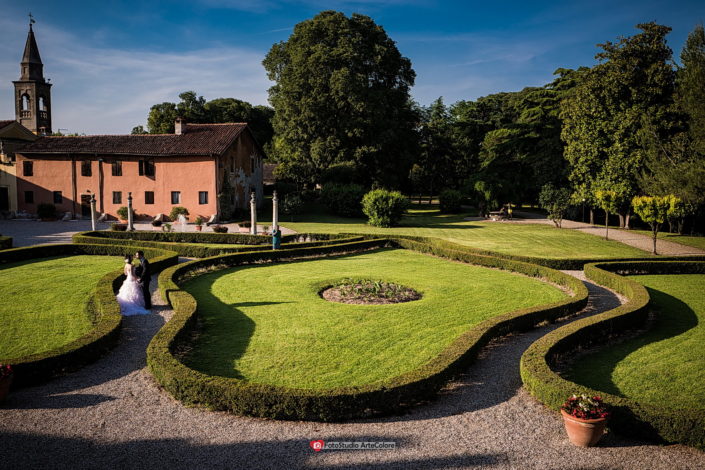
(180, 126)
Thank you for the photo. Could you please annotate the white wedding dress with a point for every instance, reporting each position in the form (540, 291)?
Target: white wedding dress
(130, 295)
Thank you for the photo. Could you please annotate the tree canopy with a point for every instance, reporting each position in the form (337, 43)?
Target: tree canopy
(196, 109)
(341, 94)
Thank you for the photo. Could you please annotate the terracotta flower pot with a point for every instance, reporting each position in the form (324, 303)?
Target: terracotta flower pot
(5, 383)
(584, 432)
(199, 228)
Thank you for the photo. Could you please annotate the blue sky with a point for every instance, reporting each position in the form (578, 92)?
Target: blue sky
(111, 60)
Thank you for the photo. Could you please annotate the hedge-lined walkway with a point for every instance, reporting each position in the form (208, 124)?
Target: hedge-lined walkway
(111, 414)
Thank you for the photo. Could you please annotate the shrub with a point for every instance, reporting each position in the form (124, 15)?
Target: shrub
(556, 201)
(199, 220)
(220, 229)
(450, 200)
(292, 204)
(122, 213)
(46, 211)
(384, 208)
(156, 223)
(177, 211)
(119, 227)
(343, 199)
(5, 243)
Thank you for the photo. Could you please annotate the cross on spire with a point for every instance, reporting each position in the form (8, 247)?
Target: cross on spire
(31, 20)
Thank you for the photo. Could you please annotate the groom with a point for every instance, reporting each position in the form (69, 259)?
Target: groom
(144, 277)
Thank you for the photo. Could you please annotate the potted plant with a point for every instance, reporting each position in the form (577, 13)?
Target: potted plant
(6, 376)
(199, 223)
(122, 213)
(157, 224)
(176, 212)
(585, 419)
(46, 212)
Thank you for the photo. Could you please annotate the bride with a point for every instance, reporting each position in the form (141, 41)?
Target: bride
(130, 294)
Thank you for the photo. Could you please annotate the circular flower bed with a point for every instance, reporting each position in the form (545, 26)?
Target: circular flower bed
(366, 291)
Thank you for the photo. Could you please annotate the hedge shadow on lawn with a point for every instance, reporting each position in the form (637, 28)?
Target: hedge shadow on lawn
(629, 416)
(101, 306)
(383, 397)
(661, 330)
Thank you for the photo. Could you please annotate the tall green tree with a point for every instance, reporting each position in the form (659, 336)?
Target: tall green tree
(690, 82)
(603, 118)
(341, 93)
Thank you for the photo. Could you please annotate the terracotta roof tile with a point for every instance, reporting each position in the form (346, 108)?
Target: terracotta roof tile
(198, 139)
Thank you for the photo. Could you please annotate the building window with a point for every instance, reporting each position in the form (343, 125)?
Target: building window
(29, 197)
(149, 197)
(117, 168)
(28, 168)
(175, 197)
(203, 197)
(117, 197)
(146, 168)
(58, 199)
(86, 168)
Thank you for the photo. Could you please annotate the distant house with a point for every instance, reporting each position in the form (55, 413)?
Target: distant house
(12, 135)
(188, 168)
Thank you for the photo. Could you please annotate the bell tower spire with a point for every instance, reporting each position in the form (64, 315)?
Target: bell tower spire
(32, 91)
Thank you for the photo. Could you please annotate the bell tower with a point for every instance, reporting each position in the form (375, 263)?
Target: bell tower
(32, 92)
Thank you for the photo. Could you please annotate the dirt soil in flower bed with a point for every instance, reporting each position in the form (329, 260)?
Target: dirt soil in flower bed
(370, 293)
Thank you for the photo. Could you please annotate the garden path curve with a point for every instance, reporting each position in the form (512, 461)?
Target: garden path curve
(112, 414)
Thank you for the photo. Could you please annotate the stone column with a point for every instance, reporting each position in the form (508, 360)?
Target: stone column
(275, 212)
(253, 214)
(130, 220)
(93, 218)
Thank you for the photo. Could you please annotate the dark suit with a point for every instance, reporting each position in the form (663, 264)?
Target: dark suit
(144, 277)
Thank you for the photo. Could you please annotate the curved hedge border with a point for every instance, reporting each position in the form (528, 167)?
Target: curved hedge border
(388, 396)
(192, 246)
(629, 416)
(101, 307)
(5, 243)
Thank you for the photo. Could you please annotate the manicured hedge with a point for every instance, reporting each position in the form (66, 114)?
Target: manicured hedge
(241, 397)
(202, 250)
(629, 416)
(102, 307)
(5, 243)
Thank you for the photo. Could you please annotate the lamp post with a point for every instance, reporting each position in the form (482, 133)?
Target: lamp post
(93, 221)
(130, 220)
(583, 210)
(253, 214)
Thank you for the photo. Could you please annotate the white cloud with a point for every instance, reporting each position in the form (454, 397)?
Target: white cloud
(99, 90)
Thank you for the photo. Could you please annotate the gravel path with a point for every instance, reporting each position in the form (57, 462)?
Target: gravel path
(111, 414)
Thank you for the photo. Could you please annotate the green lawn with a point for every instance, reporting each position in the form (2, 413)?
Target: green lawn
(43, 301)
(268, 324)
(665, 366)
(509, 238)
(695, 242)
